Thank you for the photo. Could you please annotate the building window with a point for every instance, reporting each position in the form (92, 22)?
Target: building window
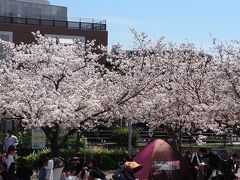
(6, 36)
(66, 39)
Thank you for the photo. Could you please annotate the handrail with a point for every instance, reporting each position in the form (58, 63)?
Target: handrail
(104, 136)
(85, 24)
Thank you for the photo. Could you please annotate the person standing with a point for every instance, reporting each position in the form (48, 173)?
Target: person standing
(23, 171)
(42, 162)
(198, 164)
(10, 161)
(49, 167)
(10, 140)
(232, 167)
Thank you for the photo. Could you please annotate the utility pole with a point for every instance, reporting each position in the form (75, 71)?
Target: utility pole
(129, 138)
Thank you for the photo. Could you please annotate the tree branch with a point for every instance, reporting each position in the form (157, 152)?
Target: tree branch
(232, 83)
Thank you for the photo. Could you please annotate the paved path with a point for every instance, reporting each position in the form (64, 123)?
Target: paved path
(110, 173)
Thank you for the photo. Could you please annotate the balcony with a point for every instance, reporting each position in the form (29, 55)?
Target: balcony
(76, 23)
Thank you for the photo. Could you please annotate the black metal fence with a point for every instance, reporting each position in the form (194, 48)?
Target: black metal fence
(187, 140)
(85, 24)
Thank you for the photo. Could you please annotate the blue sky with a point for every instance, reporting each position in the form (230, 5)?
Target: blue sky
(176, 20)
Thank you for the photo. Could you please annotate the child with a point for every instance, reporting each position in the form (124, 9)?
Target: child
(84, 174)
(11, 163)
(65, 174)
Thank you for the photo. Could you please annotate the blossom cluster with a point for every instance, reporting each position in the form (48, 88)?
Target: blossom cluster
(83, 86)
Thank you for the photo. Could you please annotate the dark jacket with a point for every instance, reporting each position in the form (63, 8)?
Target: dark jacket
(24, 173)
(11, 172)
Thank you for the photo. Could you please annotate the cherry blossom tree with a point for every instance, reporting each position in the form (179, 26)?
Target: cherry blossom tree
(192, 91)
(202, 88)
(183, 93)
(5, 66)
(229, 84)
(53, 86)
(192, 80)
(65, 88)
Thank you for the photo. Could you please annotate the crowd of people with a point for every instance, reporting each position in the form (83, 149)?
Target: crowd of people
(8, 169)
(203, 165)
(210, 165)
(45, 165)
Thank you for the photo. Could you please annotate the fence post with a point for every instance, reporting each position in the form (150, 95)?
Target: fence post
(189, 141)
(224, 140)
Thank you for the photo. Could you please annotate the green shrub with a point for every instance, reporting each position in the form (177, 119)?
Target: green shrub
(106, 159)
(71, 142)
(120, 136)
(2, 137)
(25, 139)
(110, 159)
(66, 153)
(35, 156)
(25, 142)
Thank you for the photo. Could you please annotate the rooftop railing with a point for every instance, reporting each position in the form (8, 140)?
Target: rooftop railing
(64, 22)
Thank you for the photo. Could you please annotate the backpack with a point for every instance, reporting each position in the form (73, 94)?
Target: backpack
(97, 173)
(119, 175)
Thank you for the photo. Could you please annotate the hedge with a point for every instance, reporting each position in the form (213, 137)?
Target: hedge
(106, 159)
(34, 157)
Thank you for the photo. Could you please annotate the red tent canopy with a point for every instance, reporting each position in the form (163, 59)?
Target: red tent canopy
(162, 162)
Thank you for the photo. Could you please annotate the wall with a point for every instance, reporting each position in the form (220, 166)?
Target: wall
(22, 33)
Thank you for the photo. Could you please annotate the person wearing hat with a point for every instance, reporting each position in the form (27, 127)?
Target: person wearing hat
(126, 171)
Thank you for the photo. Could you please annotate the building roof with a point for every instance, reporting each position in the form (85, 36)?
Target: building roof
(37, 1)
(33, 9)
(41, 13)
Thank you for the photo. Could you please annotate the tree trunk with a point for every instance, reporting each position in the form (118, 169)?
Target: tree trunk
(121, 123)
(55, 149)
(53, 136)
(180, 136)
(55, 145)
(77, 141)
